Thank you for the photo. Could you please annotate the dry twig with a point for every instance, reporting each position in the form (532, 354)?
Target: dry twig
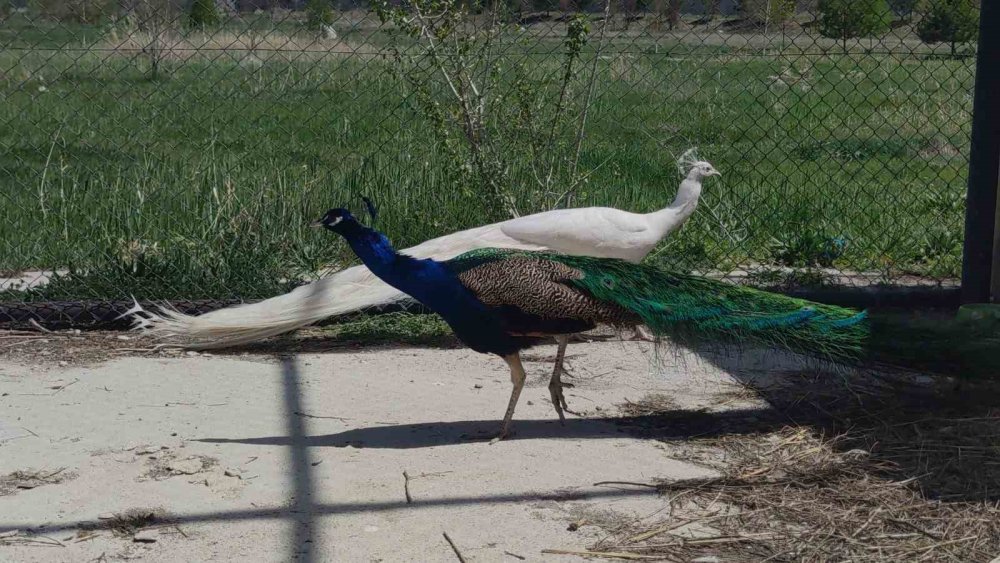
(605, 554)
(453, 547)
(406, 487)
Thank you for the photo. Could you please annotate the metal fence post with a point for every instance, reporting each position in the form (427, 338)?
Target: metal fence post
(995, 284)
(984, 162)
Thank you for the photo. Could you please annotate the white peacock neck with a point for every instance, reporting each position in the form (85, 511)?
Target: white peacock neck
(673, 216)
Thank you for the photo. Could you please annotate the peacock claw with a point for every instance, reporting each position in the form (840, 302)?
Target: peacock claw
(559, 400)
(642, 334)
(486, 436)
(504, 434)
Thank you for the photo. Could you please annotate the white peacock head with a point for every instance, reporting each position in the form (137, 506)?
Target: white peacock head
(689, 165)
(704, 169)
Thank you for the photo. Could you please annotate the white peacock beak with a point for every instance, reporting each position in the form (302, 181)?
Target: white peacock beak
(316, 224)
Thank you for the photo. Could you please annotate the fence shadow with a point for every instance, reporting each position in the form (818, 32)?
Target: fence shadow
(303, 510)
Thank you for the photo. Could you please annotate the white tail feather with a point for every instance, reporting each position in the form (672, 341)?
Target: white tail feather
(344, 292)
(350, 290)
(138, 321)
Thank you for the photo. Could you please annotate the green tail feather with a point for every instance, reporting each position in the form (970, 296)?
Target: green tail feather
(696, 310)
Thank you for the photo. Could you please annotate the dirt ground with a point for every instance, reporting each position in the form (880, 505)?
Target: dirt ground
(260, 458)
(345, 453)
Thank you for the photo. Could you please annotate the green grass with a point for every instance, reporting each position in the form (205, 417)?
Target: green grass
(392, 328)
(200, 184)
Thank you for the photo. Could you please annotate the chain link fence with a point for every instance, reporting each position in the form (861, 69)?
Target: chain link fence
(176, 150)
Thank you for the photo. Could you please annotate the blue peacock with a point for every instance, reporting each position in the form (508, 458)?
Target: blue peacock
(501, 301)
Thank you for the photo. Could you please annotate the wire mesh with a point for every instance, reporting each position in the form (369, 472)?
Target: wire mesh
(177, 150)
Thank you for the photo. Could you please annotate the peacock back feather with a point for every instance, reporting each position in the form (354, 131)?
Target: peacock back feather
(687, 308)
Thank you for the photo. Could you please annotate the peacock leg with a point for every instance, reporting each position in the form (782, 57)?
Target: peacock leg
(517, 377)
(555, 384)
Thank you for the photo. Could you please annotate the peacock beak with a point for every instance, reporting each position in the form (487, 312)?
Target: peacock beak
(316, 224)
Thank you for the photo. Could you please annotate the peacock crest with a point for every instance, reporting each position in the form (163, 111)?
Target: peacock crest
(686, 160)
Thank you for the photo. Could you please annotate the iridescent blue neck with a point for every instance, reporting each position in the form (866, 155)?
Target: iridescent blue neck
(371, 246)
(432, 283)
(427, 281)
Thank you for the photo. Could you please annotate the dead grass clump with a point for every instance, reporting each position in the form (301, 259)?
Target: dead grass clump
(912, 473)
(166, 466)
(127, 523)
(791, 495)
(651, 404)
(24, 479)
(943, 433)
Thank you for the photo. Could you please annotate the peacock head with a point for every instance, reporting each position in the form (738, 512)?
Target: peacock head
(335, 219)
(701, 170)
(694, 168)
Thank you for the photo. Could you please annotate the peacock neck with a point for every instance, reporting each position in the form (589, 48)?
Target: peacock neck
(427, 281)
(684, 204)
(371, 246)
(436, 286)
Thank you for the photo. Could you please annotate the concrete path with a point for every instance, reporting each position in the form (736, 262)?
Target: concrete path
(265, 459)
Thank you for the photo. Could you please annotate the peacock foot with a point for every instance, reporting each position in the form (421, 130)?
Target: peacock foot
(559, 400)
(486, 436)
(504, 433)
(643, 334)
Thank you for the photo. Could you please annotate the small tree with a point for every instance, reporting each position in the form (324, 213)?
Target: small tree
(319, 14)
(154, 24)
(203, 14)
(948, 21)
(847, 19)
(767, 13)
(903, 8)
(674, 12)
(492, 116)
(711, 8)
(667, 11)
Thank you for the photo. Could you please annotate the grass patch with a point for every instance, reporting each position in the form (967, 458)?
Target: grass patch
(394, 328)
(199, 184)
